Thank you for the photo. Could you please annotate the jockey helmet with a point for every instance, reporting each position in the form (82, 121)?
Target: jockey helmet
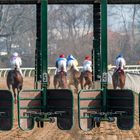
(120, 55)
(62, 56)
(87, 57)
(71, 56)
(15, 54)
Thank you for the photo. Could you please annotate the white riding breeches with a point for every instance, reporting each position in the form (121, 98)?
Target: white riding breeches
(120, 62)
(72, 63)
(87, 68)
(61, 64)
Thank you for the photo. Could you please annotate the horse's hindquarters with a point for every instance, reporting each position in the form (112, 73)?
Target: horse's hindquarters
(118, 79)
(60, 80)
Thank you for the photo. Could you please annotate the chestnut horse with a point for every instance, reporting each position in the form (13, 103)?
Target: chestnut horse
(14, 79)
(87, 77)
(60, 79)
(73, 78)
(118, 79)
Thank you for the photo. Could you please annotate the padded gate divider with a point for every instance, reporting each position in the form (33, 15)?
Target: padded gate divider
(122, 100)
(6, 110)
(89, 101)
(28, 100)
(61, 100)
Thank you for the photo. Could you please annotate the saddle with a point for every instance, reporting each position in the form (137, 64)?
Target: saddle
(61, 72)
(119, 70)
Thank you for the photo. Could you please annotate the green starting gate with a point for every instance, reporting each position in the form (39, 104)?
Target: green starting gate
(104, 104)
(48, 105)
(59, 105)
(6, 110)
(119, 103)
(41, 104)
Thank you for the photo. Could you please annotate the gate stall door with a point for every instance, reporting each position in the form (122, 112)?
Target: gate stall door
(89, 102)
(6, 110)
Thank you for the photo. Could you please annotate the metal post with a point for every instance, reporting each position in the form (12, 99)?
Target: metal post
(96, 41)
(44, 60)
(38, 46)
(104, 76)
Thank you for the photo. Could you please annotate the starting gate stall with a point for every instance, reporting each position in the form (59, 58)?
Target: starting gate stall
(6, 110)
(95, 106)
(41, 104)
(31, 109)
(120, 104)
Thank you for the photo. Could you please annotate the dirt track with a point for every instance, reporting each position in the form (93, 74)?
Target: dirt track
(107, 131)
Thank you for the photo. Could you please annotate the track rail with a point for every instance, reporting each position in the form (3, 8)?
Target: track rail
(29, 72)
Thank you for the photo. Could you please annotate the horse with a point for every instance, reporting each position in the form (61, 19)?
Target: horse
(60, 79)
(74, 78)
(14, 79)
(49, 81)
(87, 77)
(118, 78)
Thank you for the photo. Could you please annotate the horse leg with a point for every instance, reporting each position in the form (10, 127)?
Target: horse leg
(76, 85)
(90, 85)
(81, 81)
(114, 85)
(14, 95)
(55, 82)
(85, 85)
(122, 82)
(65, 83)
(113, 82)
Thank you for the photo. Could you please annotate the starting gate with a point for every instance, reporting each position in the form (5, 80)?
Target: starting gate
(119, 103)
(58, 104)
(104, 104)
(6, 110)
(41, 104)
(48, 105)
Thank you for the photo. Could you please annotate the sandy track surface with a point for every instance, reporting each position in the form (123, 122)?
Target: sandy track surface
(107, 131)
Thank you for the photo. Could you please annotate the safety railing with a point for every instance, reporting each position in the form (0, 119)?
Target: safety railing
(29, 72)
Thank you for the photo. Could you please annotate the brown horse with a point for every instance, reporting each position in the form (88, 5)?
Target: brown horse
(73, 78)
(118, 79)
(15, 80)
(60, 79)
(87, 77)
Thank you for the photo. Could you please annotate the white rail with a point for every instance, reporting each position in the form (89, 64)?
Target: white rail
(29, 72)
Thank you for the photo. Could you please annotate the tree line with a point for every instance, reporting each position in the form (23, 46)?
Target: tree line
(70, 31)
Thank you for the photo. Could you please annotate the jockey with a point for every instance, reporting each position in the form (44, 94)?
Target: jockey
(71, 61)
(120, 60)
(16, 62)
(61, 62)
(87, 64)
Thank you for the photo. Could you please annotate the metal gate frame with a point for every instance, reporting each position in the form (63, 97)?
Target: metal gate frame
(31, 109)
(119, 104)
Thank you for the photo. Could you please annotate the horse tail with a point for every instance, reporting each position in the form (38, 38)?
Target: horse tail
(9, 79)
(62, 68)
(120, 64)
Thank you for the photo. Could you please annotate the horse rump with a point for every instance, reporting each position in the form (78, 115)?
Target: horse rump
(60, 80)
(86, 79)
(118, 79)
